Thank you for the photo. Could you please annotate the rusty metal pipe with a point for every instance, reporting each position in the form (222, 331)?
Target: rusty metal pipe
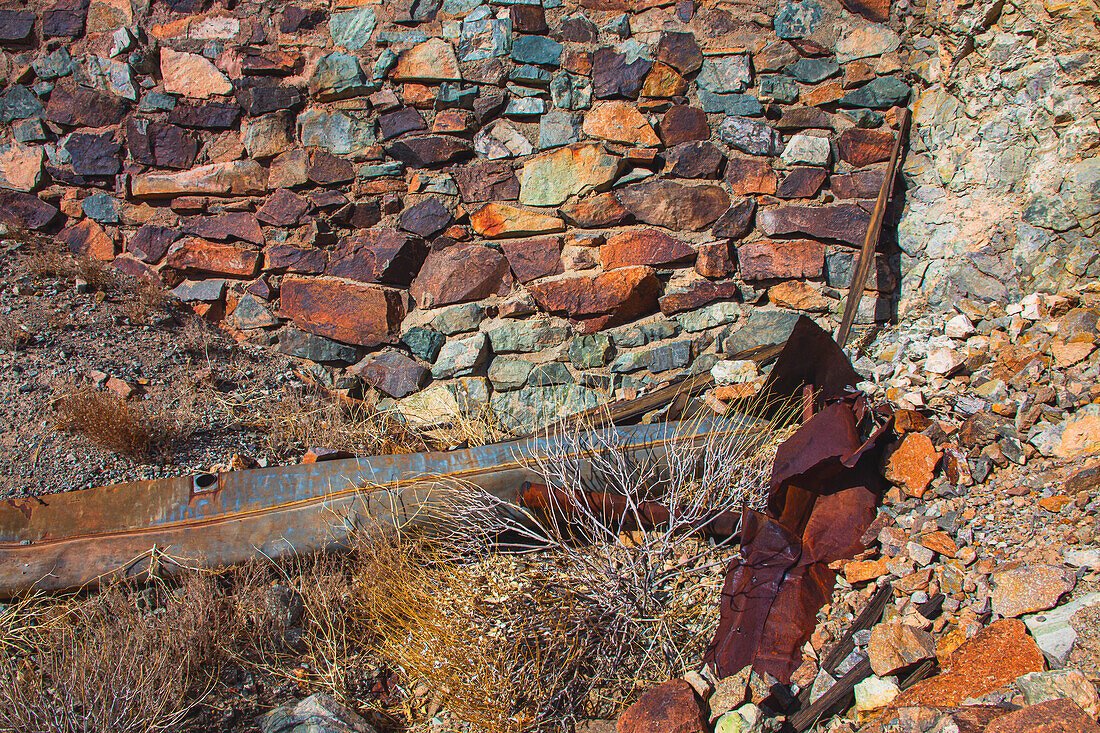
(74, 539)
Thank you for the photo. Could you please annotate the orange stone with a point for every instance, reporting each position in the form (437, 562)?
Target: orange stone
(750, 175)
(626, 293)
(88, 238)
(351, 312)
(824, 93)
(996, 656)
(860, 571)
(663, 81)
(199, 255)
(940, 542)
(911, 465)
(497, 220)
(643, 247)
(621, 123)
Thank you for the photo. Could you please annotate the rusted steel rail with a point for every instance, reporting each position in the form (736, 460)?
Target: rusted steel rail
(81, 538)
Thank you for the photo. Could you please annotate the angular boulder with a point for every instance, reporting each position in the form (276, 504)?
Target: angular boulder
(675, 205)
(459, 273)
(354, 313)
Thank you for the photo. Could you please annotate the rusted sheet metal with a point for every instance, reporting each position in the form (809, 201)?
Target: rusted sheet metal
(73, 539)
(617, 511)
(825, 485)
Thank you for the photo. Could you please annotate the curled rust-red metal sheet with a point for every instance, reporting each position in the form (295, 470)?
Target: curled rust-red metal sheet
(824, 488)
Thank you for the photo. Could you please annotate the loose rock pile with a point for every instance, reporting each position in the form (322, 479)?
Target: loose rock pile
(990, 528)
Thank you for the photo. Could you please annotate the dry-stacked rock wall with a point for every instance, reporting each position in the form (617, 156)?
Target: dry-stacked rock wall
(531, 205)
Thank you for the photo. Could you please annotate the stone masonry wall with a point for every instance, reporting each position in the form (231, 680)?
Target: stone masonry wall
(532, 205)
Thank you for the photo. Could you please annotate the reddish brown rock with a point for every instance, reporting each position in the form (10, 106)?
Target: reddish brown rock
(426, 218)
(486, 181)
(864, 184)
(283, 208)
(843, 222)
(391, 372)
(205, 115)
(595, 212)
(801, 118)
(87, 238)
(381, 255)
(25, 210)
(75, 106)
(194, 255)
(698, 159)
(674, 205)
(400, 122)
(747, 175)
(94, 153)
(860, 147)
(801, 182)
(680, 51)
(622, 294)
(459, 273)
(429, 150)
(874, 10)
(133, 267)
(683, 123)
(993, 658)
(224, 227)
(65, 18)
(713, 260)
(528, 19)
(498, 221)
(643, 247)
(326, 169)
(912, 465)
(737, 221)
(670, 707)
(456, 121)
(159, 144)
(151, 242)
(766, 259)
(1053, 716)
(612, 76)
(533, 258)
(698, 294)
(290, 258)
(366, 315)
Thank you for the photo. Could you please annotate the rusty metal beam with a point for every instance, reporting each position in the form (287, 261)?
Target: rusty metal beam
(81, 538)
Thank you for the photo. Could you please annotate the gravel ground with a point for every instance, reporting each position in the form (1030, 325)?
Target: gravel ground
(197, 379)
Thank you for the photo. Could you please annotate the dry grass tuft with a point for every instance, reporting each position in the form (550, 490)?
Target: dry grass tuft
(453, 633)
(111, 663)
(197, 335)
(147, 300)
(107, 421)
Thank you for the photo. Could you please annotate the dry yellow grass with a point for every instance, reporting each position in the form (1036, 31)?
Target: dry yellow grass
(108, 664)
(107, 421)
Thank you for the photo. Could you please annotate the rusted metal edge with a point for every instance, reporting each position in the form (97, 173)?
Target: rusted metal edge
(874, 230)
(74, 539)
